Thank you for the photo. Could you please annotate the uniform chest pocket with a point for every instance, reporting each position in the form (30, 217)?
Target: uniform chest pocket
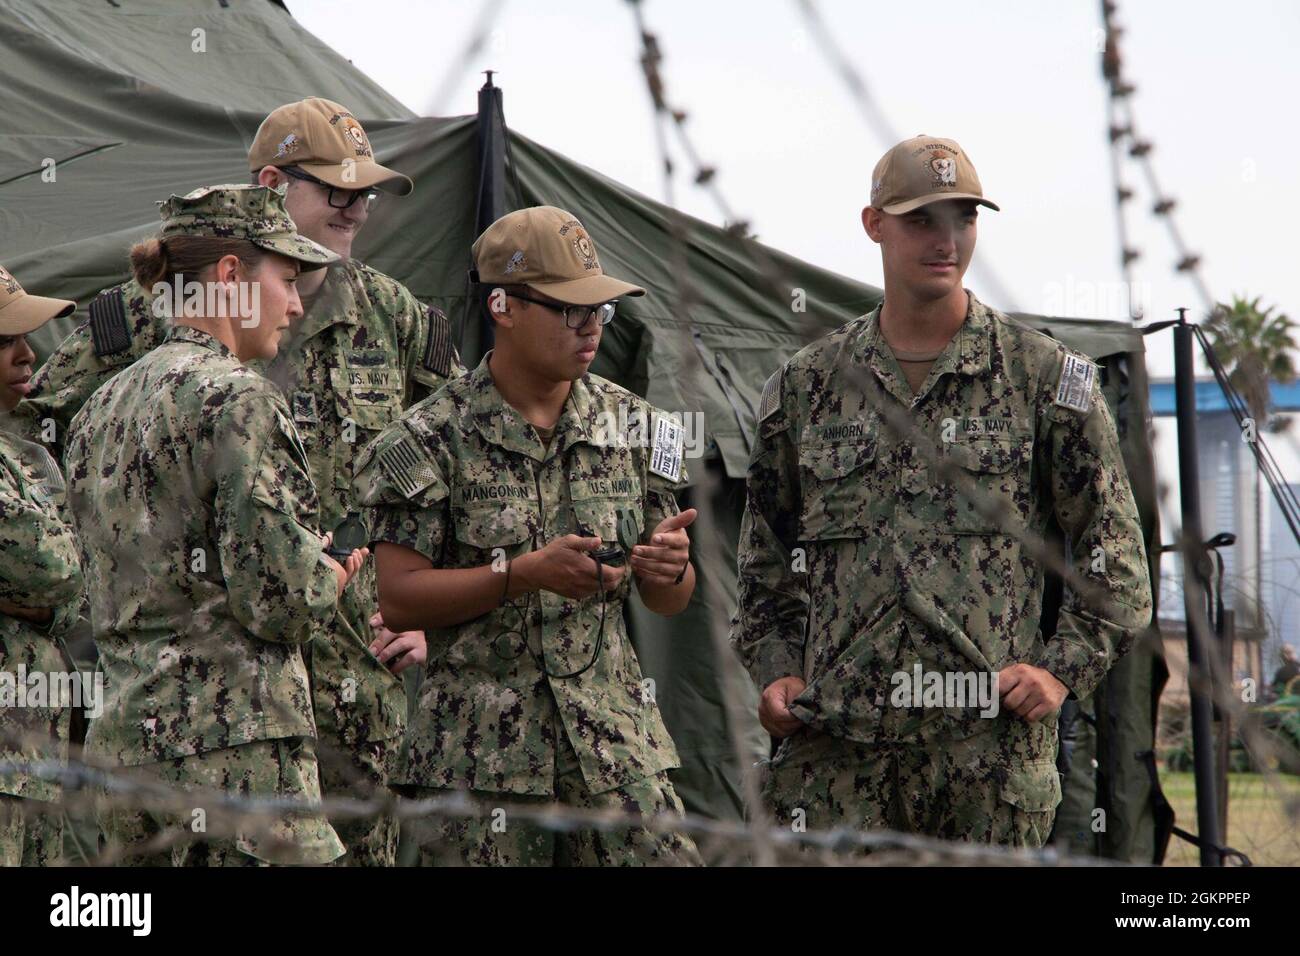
(370, 397)
(837, 482)
(482, 529)
(990, 493)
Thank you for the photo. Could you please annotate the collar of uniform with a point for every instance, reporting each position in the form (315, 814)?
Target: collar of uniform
(968, 353)
(338, 302)
(502, 424)
(186, 333)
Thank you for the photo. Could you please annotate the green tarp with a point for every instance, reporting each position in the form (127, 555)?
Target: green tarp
(130, 110)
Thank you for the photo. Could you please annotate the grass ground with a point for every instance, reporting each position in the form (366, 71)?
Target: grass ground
(1263, 817)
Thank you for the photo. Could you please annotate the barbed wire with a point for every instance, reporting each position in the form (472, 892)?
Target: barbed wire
(1122, 131)
(93, 788)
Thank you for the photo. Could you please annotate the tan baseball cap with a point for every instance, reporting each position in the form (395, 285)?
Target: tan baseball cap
(242, 211)
(546, 249)
(322, 138)
(921, 170)
(21, 313)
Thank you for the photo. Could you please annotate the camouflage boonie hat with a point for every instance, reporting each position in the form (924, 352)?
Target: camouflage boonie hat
(242, 211)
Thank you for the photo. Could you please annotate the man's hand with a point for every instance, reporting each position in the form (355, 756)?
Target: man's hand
(34, 615)
(397, 651)
(774, 706)
(564, 567)
(349, 568)
(661, 561)
(1030, 692)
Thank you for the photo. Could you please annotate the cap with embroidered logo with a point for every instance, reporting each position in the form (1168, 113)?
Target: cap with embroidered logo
(21, 312)
(548, 250)
(922, 170)
(323, 139)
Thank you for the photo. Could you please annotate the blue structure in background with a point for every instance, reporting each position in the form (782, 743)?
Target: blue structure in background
(1209, 397)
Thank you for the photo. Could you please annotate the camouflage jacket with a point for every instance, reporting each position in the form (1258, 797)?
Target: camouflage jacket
(365, 350)
(464, 479)
(39, 568)
(197, 521)
(861, 555)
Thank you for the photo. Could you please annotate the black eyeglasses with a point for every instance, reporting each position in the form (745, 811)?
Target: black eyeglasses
(604, 312)
(338, 198)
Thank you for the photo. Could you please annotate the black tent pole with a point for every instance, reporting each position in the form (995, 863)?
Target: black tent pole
(491, 204)
(1195, 587)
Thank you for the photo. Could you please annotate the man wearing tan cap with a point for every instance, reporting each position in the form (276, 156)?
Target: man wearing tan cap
(891, 558)
(40, 598)
(490, 502)
(366, 349)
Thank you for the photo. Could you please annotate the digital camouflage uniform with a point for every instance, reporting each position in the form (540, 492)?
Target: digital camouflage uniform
(39, 568)
(198, 520)
(365, 350)
(465, 480)
(859, 558)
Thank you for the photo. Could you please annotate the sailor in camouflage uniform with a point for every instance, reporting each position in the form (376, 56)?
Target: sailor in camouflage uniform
(40, 600)
(906, 466)
(198, 523)
(365, 350)
(489, 498)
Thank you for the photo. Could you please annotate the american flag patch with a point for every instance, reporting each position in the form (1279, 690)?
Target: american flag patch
(408, 470)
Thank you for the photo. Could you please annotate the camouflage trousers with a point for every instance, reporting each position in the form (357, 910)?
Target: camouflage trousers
(491, 838)
(31, 832)
(976, 790)
(361, 772)
(264, 769)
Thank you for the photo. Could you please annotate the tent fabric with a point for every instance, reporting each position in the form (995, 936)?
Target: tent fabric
(116, 95)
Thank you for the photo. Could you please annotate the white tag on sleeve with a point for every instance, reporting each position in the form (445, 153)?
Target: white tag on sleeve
(666, 455)
(1075, 388)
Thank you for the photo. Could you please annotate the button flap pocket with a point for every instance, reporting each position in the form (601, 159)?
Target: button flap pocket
(1033, 787)
(827, 462)
(990, 456)
(495, 527)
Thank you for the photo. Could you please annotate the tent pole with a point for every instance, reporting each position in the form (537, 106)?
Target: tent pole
(1195, 588)
(491, 202)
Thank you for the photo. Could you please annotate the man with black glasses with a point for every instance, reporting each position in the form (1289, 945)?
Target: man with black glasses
(365, 349)
(513, 510)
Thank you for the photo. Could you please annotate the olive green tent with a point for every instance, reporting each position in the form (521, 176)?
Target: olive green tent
(112, 106)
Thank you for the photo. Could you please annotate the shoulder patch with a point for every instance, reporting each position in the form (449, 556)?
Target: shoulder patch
(667, 448)
(408, 470)
(771, 400)
(109, 331)
(1074, 390)
(438, 349)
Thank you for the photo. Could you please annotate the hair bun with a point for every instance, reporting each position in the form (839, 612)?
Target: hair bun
(149, 263)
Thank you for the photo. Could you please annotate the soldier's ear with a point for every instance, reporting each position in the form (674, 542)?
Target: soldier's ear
(270, 176)
(500, 307)
(871, 221)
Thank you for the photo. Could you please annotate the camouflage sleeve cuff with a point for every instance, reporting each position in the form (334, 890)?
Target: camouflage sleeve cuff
(1075, 664)
(409, 527)
(770, 659)
(65, 618)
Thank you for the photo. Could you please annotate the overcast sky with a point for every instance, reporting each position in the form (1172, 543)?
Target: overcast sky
(1016, 82)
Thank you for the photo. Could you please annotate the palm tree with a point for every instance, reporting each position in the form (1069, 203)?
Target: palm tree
(1256, 347)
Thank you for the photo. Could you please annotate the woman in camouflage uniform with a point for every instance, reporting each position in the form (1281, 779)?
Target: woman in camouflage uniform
(205, 572)
(40, 596)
